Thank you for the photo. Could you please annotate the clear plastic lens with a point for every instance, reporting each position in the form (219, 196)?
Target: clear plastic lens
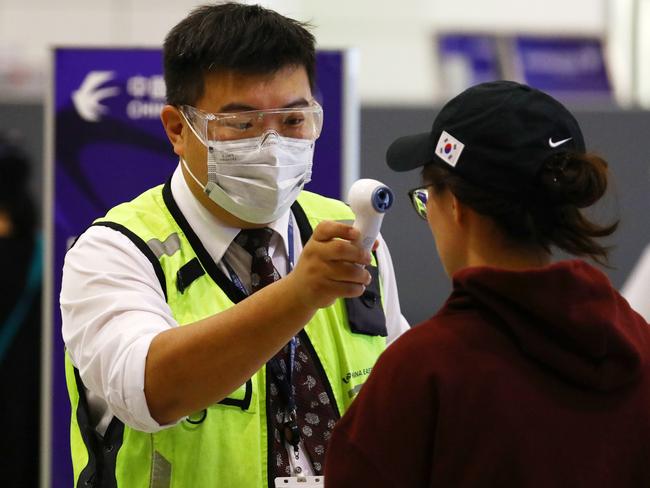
(297, 123)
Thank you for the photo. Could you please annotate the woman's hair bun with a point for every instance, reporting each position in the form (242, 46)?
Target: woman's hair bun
(576, 179)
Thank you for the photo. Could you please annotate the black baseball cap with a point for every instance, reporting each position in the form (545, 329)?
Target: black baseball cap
(495, 134)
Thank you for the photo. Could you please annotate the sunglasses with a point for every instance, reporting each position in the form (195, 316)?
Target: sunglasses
(419, 197)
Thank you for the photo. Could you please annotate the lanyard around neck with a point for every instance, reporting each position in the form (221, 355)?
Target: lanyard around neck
(284, 381)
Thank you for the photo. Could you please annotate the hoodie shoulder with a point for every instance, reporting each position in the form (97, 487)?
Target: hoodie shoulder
(567, 317)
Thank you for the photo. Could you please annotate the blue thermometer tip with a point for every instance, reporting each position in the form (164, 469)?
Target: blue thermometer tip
(382, 199)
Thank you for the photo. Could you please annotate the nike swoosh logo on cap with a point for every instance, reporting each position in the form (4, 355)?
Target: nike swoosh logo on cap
(558, 143)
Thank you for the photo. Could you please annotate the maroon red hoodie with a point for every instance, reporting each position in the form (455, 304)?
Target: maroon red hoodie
(536, 378)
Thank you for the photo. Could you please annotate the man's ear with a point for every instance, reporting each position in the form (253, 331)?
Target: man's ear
(172, 121)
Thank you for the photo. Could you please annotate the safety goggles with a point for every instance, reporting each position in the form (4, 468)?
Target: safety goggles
(296, 122)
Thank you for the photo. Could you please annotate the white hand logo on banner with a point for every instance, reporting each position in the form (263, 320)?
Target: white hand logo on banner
(87, 97)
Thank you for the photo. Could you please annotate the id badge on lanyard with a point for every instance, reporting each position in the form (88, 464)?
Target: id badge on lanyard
(300, 482)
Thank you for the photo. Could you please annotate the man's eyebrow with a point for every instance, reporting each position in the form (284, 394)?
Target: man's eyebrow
(241, 107)
(298, 104)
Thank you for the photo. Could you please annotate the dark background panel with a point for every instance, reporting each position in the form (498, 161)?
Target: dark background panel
(26, 122)
(422, 284)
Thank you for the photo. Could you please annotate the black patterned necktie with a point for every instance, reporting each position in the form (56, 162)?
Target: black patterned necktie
(316, 414)
(256, 242)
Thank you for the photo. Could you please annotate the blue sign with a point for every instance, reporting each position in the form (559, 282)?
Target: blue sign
(468, 59)
(563, 67)
(109, 146)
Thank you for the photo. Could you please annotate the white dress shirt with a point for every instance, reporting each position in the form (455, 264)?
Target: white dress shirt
(112, 305)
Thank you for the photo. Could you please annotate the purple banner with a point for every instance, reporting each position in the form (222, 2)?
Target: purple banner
(109, 146)
(564, 67)
(467, 59)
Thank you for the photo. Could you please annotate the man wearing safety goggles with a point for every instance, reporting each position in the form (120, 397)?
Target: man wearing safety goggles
(219, 325)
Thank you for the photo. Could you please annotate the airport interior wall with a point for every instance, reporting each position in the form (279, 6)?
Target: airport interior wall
(621, 136)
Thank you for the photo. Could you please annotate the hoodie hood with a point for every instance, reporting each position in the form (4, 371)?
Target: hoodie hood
(565, 316)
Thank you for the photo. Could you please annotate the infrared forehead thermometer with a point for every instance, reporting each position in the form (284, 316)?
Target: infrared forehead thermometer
(369, 200)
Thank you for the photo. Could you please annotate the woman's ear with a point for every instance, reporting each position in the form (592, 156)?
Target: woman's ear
(458, 209)
(172, 121)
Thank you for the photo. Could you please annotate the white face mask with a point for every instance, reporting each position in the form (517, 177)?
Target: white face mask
(257, 179)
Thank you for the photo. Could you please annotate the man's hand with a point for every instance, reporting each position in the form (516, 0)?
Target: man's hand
(208, 359)
(330, 266)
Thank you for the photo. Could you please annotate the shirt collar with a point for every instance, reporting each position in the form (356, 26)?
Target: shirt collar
(216, 236)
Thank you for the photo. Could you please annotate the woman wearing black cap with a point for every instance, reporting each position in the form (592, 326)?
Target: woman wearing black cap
(532, 374)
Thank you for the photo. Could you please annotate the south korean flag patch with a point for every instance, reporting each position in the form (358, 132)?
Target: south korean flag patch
(449, 148)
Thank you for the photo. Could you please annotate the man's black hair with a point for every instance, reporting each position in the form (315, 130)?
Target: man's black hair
(247, 39)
